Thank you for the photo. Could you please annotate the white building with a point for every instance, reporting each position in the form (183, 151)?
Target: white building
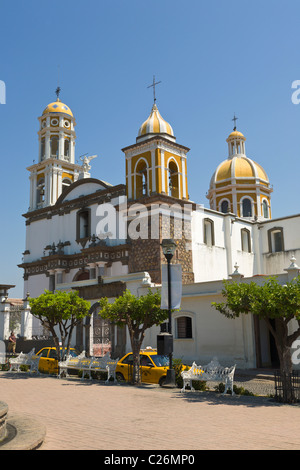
(83, 233)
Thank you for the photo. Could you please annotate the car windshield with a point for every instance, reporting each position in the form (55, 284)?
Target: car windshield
(160, 361)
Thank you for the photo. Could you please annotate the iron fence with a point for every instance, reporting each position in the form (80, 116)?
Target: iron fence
(287, 386)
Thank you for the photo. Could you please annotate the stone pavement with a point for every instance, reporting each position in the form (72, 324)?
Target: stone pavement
(95, 416)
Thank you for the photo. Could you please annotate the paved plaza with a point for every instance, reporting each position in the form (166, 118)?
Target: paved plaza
(95, 416)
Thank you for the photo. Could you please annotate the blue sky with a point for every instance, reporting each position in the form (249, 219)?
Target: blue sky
(213, 58)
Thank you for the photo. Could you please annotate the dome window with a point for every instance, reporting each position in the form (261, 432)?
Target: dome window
(247, 208)
(265, 209)
(225, 206)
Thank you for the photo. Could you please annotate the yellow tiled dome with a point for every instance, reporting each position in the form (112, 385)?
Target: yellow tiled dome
(155, 124)
(239, 167)
(58, 107)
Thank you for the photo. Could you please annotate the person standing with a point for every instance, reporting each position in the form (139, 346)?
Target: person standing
(12, 340)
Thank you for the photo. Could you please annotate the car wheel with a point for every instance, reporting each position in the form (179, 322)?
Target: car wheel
(120, 377)
(162, 380)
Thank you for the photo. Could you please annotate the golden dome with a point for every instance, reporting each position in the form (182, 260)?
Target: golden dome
(58, 107)
(235, 135)
(239, 167)
(155, 124)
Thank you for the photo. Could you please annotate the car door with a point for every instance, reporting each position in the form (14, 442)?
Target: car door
(43, 362)
(52, 362)
(125, 367)
(147, 369)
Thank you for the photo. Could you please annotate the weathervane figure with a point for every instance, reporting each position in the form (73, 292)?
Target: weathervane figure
(234, 119)
(153, 85)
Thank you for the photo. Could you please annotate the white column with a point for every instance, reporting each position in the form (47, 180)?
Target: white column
(26, 320)
(59, 181)
(183, 160)
(61, 145)
(72, 150)
(47, 145)
(54, 186)
(4, 318)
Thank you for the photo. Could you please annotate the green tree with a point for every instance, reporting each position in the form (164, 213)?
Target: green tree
(59, 312)
(138, 313)
(277, 305)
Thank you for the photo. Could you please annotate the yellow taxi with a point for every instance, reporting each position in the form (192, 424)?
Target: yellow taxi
(48, 363)
(153, 367)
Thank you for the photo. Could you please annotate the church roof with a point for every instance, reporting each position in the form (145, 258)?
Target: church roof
(58, 107)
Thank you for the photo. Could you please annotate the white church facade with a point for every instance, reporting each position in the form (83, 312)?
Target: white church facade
(83, 233)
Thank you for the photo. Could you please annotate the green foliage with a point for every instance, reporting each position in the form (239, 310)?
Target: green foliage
(277, 305)
(60, 309)
(55, 307)
(138, 314)
(270, 300)
(134, 311)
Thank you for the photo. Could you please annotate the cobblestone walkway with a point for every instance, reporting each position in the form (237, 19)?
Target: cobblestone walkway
(91, 415)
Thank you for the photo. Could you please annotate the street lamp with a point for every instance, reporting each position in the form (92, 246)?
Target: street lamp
(168, 247)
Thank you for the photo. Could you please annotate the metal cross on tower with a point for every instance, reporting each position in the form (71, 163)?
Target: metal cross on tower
(153, 85)
(234, 119)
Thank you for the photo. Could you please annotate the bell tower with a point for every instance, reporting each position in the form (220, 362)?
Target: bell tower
(156, 164)
(56, 168)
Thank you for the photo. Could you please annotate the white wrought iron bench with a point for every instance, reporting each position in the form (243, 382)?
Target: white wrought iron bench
(22, 359)
(212, 372)
(89, 364)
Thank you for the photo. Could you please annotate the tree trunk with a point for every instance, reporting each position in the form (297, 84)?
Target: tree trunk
(136, 377)
(286, 367)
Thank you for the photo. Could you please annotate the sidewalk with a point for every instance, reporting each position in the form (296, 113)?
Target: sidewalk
(91, 415)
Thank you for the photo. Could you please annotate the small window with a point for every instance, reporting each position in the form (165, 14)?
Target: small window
(184, 327)
(246, 240)
(225, 207)
(265, 209)
(276, 243)
(247, 208)
(83, 224)
(209, 232)
(54, 146)
(67, 149)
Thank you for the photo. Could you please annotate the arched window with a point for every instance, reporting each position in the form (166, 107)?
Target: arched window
(173, 185)
(54, 146)
(67, 149)
(83, 224)
(225, 206)
(246, 240)
(265, 209)
(247, 208)
(141, 179)
(184, 327)
(209, 238)
(40, 196)
(276, 242)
